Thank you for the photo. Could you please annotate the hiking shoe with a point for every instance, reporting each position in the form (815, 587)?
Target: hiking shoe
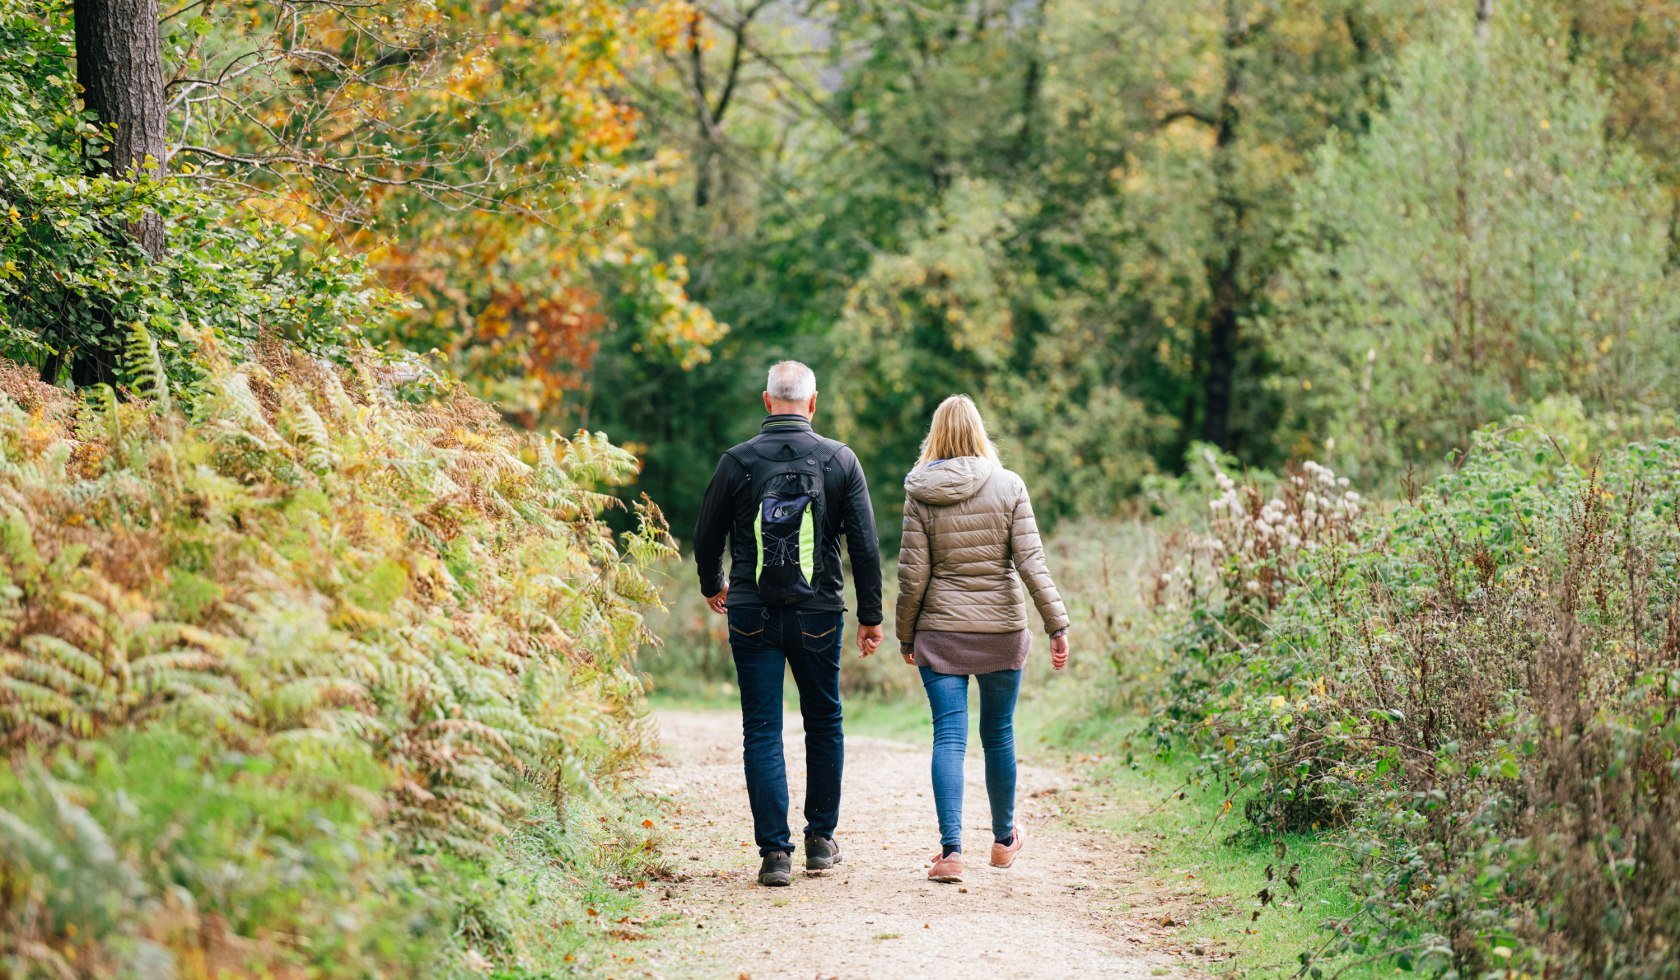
(821, 853)
(946, 868)
(776, 871)
(1003, 855)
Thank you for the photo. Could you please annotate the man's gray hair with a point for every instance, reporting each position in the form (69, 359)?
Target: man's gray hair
(791, 381)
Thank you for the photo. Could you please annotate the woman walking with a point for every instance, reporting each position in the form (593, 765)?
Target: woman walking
(970, 541)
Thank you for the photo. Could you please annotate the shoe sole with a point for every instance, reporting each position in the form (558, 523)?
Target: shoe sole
(946, 879)
(775, 881)
(821, 864)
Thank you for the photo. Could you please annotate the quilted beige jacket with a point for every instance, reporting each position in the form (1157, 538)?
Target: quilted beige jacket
(970, 540)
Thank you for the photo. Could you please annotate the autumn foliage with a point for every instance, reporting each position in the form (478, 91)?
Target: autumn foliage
(487, 160)
(287, 591)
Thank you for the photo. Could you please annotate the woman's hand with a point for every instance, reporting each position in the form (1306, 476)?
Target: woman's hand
(1058, 651)
(908, 652)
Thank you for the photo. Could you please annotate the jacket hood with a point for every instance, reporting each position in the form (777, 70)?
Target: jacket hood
(948, 481)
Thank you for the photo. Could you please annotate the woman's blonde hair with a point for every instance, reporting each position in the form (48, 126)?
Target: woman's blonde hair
(957, 430)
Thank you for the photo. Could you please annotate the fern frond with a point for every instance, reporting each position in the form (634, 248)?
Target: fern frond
(308, 431)
(143, 363)
(240, 415)
(64, 659)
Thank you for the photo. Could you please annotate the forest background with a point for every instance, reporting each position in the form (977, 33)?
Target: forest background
(300, 298)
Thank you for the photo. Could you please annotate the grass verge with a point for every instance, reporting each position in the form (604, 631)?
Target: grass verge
(564, 894)
(1250, 917)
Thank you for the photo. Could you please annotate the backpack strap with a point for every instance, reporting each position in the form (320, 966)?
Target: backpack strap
(740, 455)
(827, 449)
(749, 457)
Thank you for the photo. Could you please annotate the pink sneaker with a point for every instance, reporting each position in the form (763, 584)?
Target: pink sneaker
(1003, 855)
(946, 869)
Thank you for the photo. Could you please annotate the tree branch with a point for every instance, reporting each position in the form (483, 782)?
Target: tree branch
(1205, 118)
(739, 30)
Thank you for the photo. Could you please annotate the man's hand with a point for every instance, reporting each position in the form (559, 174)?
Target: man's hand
(869, 637)
(719, 601)
(1058, 651)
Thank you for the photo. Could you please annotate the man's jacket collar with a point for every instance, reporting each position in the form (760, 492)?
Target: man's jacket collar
(785, 423)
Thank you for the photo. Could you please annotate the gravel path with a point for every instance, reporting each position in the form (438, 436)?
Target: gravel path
(1076, 903)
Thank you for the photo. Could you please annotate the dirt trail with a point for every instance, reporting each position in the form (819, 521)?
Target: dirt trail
(1076, 903)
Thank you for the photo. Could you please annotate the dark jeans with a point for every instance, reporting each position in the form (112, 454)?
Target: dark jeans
(762, 641)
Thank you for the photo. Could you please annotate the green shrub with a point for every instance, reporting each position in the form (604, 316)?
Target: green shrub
(1478, 685)
(72, 277)
(165, 849)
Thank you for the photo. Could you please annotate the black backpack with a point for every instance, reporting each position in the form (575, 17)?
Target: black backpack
(787, 520)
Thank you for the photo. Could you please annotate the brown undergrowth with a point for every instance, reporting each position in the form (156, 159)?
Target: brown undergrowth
(284, 659)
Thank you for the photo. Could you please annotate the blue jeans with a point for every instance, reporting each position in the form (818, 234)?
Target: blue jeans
(948, 697)
(763, 641)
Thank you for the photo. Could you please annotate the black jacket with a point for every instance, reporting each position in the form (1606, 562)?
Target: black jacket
(730, 508)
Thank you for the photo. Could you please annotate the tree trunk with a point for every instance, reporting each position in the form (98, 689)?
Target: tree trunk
(1032, 84)
(1224, 270)
(1218, 388)
(119, 64)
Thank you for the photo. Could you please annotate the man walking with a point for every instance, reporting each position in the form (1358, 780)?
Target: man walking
(783, 499)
